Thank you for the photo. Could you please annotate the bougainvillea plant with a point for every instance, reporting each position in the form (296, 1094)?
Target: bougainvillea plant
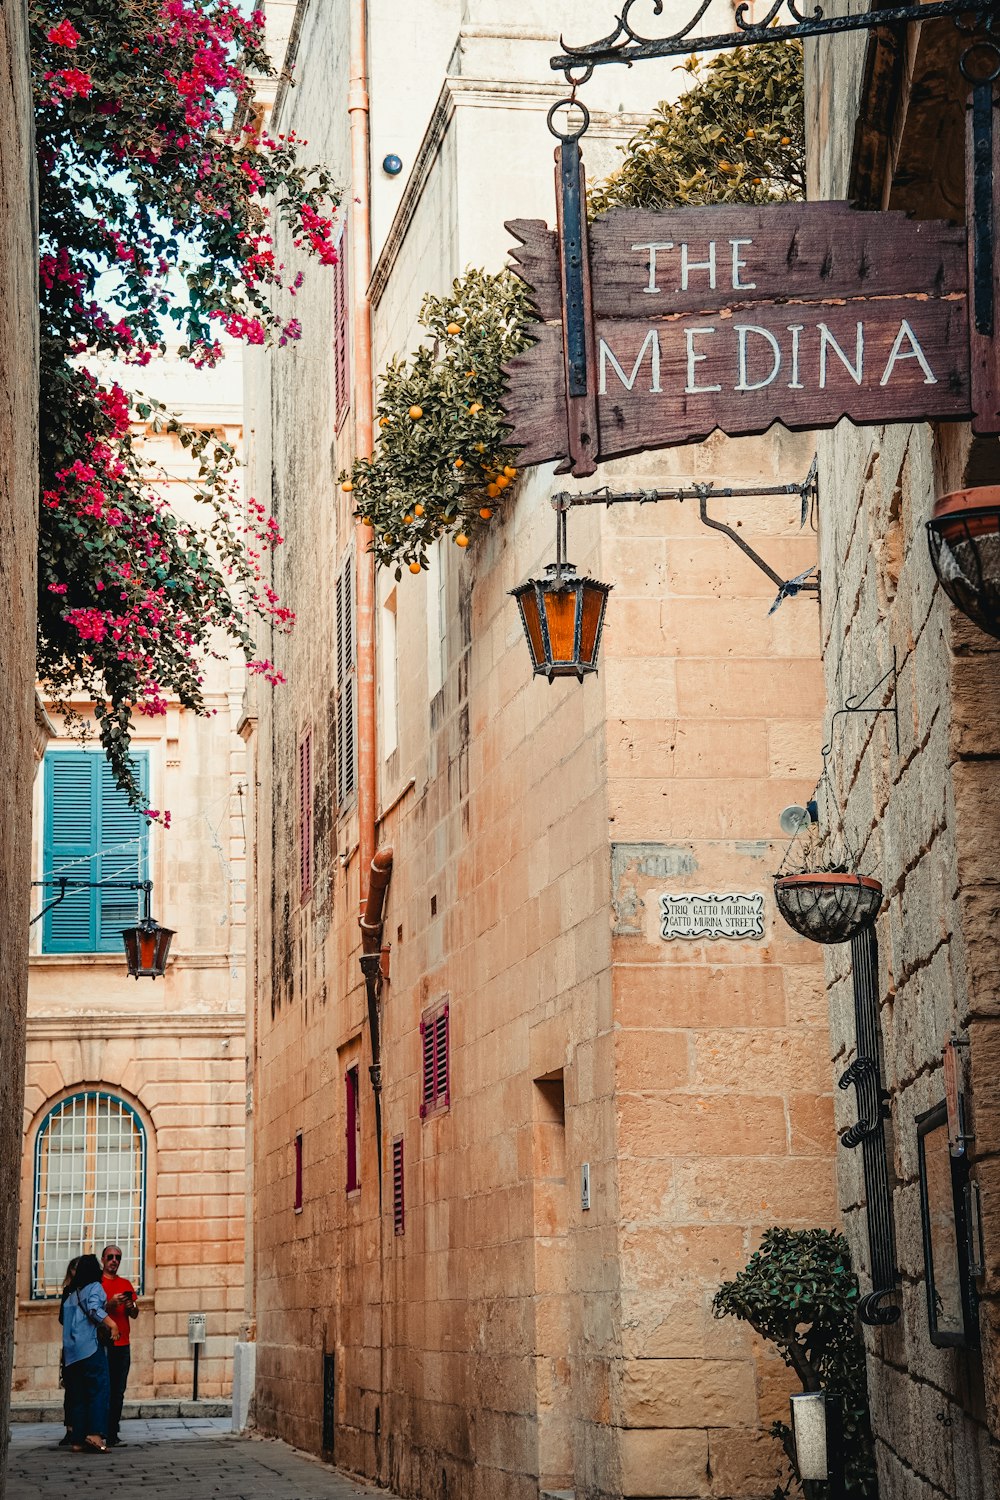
(443, 459)
(154, 226)
(443, 463)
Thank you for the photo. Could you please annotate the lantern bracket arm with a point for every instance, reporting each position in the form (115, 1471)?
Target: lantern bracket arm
(807, 490)
(65, 883)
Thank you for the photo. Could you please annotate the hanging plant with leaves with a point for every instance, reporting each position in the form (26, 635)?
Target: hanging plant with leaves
(443, 463)
(737, 135)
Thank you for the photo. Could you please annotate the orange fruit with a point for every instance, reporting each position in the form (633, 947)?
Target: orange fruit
(366, 520)
(474, 408)
(454, 328)
(461, 540)
(510, 472)
(407, 520)
(459, 463)
(416, 412)
(492, 490)
(786, 140)
(414, 567)
(485, 512)
(502, 481)
(387, 537)
(347, 486)
(418, 510)
(383, 421)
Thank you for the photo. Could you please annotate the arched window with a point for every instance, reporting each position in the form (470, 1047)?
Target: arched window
(90, 1188)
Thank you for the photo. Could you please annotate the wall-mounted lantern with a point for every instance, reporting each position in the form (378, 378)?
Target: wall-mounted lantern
(562, 614)
(147, 945)
(964, 538)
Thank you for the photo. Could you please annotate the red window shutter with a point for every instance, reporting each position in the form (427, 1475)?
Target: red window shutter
(298, 1171)
(441, 1090)
(353, 1175)
(398, 1200)
(341, 336)
(427, 1047)
(305, 815)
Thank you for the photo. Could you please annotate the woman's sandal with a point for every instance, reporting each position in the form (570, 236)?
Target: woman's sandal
(94, 1444)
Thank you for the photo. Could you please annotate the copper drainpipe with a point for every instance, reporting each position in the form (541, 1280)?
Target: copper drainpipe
(361, 268)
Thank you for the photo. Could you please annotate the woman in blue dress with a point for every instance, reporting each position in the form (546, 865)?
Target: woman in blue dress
(84, 1359)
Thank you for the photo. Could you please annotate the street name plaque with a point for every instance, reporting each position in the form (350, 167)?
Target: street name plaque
(734, 915)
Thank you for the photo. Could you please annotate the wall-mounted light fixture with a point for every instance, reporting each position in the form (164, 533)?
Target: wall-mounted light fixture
(147, 945)
(562, 613)
(392, 165)
(964, 538)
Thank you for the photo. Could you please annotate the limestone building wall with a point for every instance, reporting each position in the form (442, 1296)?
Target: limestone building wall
(923, 814)
(18, 548)
(511, 1342)
(170, 1049)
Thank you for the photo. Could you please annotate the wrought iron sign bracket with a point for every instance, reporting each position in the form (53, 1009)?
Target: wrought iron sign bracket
(858, 704)
(626, 44)
(807, 491)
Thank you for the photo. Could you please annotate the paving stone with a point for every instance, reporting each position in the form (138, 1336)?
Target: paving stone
(165, 1460)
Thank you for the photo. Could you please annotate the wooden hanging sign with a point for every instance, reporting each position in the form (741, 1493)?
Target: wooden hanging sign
(732, 318)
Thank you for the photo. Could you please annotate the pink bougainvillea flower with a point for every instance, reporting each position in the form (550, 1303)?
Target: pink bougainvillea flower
(64, 34)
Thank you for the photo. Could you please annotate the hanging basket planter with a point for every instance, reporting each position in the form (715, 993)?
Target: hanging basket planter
(964, 539)
(828, 906)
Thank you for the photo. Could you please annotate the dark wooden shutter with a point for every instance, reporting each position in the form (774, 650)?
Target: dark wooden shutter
(298, 1171)
(398, 1198)
(435, 1081)
(341, 336)
(441, 1090)
(351, 1131)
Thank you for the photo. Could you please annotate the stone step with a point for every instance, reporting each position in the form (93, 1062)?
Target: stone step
(149, 1410)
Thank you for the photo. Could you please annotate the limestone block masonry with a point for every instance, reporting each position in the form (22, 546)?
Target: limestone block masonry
(18, 549)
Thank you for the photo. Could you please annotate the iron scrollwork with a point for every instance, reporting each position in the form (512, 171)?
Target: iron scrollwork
(627, 44)
(871, 1100)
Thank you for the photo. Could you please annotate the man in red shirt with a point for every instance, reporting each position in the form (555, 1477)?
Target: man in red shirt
(123, 1310)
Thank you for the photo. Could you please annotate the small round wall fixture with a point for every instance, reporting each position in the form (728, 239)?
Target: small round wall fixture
(147, 947)
(562, 615)
(392, 165)
(828, 906)
(964, 538)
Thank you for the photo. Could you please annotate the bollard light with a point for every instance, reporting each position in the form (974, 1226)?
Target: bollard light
(809, 1433)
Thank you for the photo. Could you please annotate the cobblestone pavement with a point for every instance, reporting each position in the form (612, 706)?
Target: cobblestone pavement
(182, 1459)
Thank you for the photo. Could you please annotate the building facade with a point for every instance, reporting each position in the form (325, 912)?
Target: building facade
(18, 553)
(494, 1278)
(886, 120)
(133, 1121)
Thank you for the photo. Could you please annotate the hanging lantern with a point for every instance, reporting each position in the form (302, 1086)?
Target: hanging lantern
(828, 906)
(562, 615)
(146, 948)
(964, 538)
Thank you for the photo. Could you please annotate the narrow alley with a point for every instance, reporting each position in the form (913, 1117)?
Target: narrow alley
(175, 1459)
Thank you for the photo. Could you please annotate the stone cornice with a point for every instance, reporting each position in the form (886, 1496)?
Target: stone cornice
(133, 1024)
(477, 94)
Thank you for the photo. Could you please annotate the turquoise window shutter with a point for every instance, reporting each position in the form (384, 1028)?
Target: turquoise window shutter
(91, 833)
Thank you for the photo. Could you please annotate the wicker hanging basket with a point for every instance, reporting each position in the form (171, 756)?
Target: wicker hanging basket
(828, 906)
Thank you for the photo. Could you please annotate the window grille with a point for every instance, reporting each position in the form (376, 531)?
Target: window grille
(353, 1130)
(305, 816)
(398, 1198)
(90, 1189)
(91, 833)
(341, 337)
(346, 681)
(435, 1071)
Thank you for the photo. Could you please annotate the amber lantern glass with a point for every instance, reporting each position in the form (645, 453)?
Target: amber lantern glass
(147, 947)
(562, 615)
(964, 539)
